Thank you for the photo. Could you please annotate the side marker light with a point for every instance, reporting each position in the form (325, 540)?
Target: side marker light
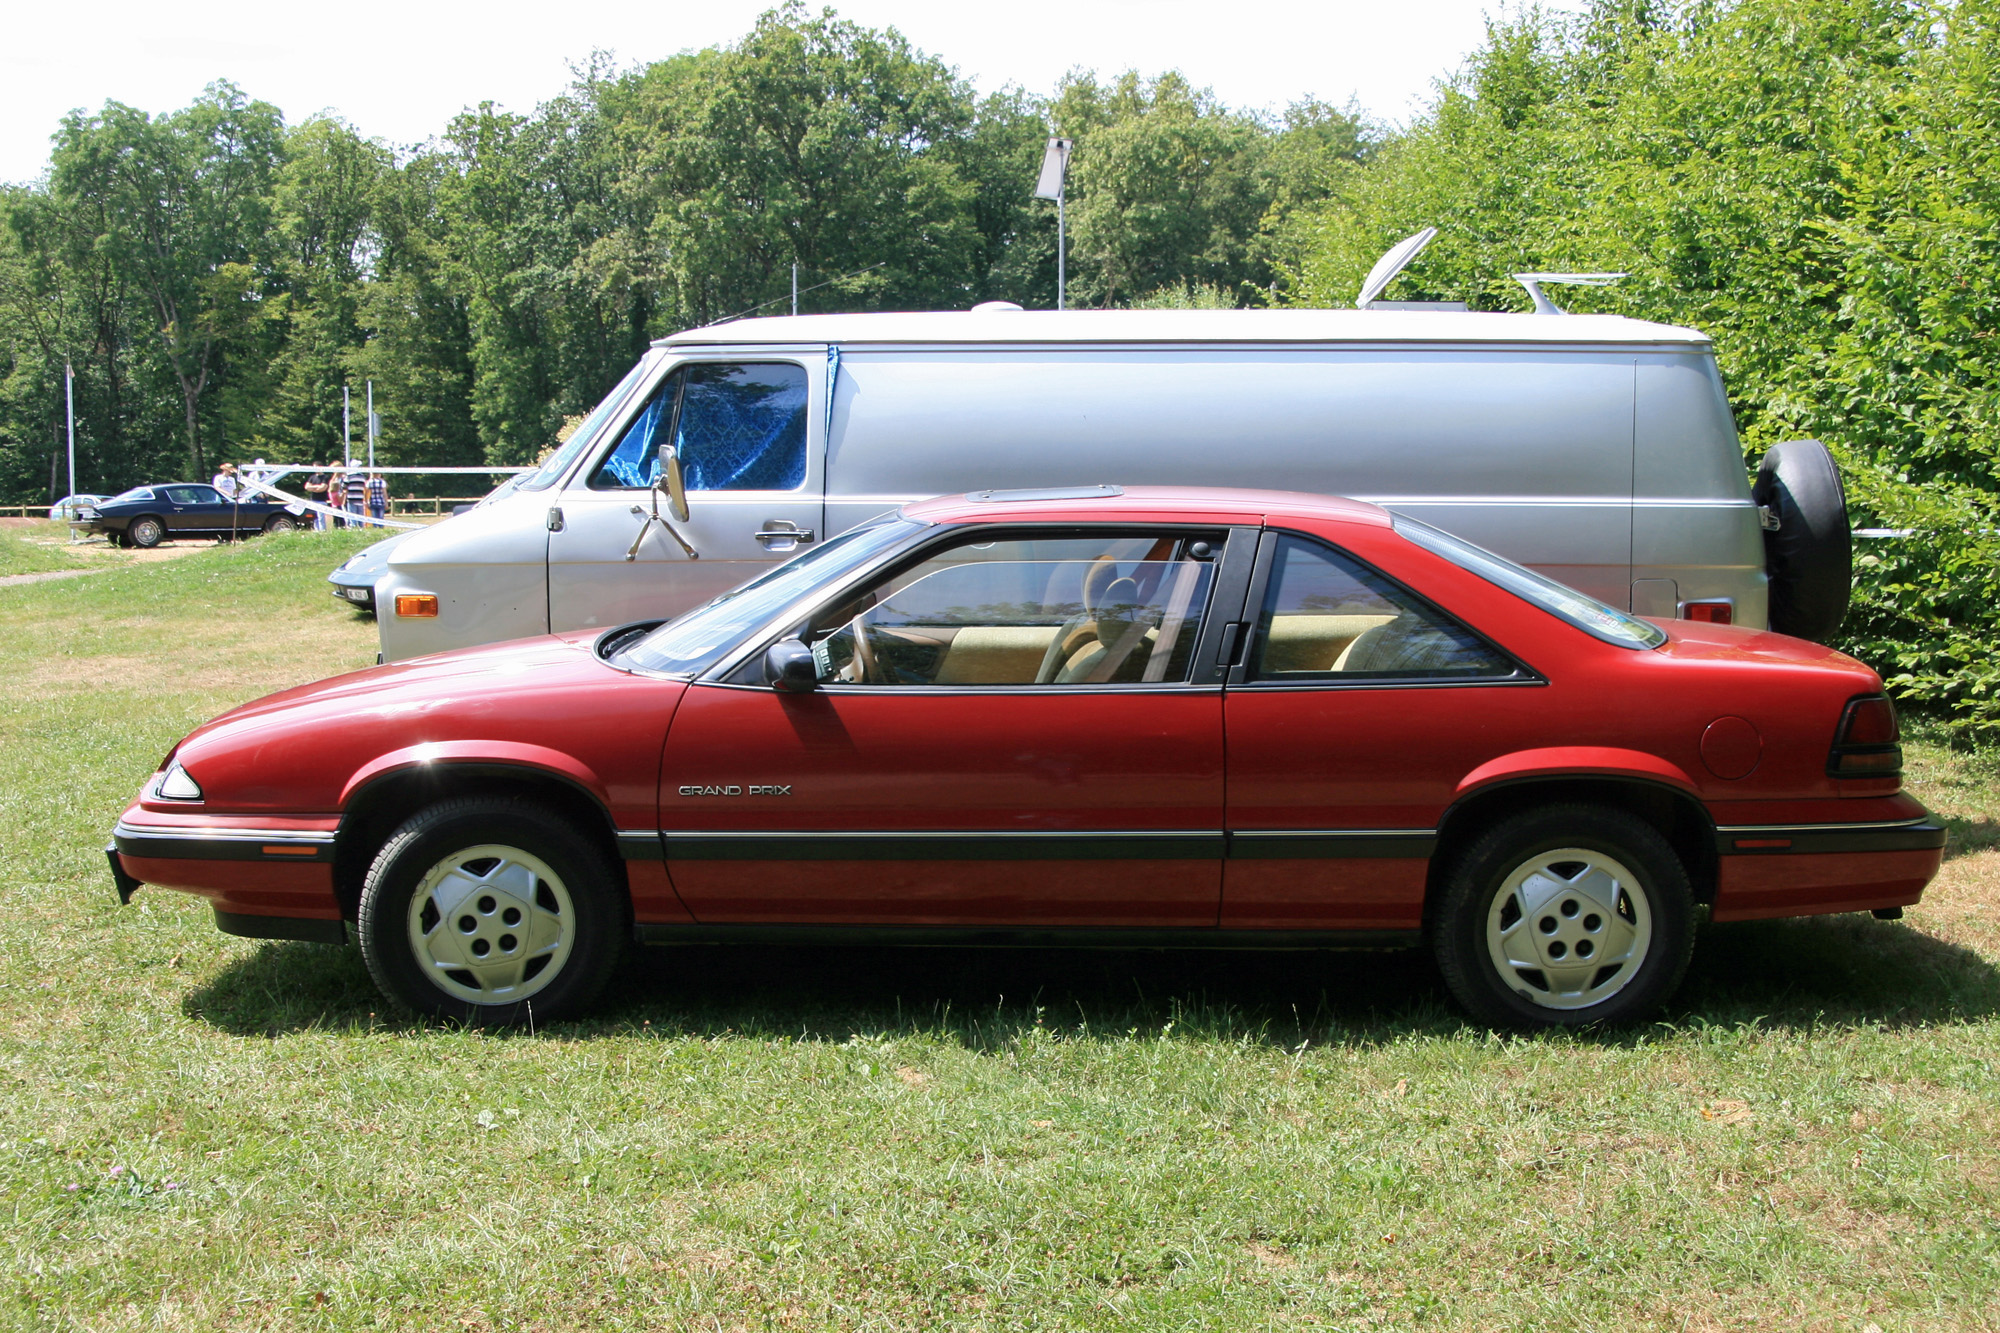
(420, 605)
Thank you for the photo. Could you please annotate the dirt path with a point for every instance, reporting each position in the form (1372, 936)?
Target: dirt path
(11, 580)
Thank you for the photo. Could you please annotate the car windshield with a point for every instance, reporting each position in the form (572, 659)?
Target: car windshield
(1559, 600)
(698, 639)
(558, 462)
(136, 493)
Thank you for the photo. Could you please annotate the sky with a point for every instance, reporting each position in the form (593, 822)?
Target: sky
(400, 70)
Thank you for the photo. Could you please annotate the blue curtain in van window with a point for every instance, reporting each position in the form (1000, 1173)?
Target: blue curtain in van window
(636, 459)
(743, 428)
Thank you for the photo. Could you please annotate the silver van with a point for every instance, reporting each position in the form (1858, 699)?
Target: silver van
(1597, 449)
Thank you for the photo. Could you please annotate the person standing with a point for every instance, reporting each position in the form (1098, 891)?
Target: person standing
(316, 494)
(378, 496)
(226, 482)
(336, 496)
(357, 493)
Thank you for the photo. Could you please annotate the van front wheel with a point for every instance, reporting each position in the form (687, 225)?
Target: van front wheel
(1570, 916)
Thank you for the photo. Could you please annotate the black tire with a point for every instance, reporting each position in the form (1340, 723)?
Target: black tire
(1646, 881)
(145, 532)
(279, 523)
(582, 894)
(1810, 557)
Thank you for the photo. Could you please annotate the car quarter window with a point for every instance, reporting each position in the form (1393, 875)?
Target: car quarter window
(736, 426)
(1328, 617)
(1113, 609)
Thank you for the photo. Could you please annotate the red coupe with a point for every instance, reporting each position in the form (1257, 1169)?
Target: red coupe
(1131, 718)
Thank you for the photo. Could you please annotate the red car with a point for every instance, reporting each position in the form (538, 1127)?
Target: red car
(1147, 717)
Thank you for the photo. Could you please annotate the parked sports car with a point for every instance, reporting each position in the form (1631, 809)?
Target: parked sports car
(1158, 717)
(354, 578)
(149, 515)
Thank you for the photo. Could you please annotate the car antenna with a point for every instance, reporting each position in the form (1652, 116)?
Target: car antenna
(1543, 305)
(1397, 258)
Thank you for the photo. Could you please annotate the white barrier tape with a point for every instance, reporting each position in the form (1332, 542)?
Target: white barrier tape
(318, 508)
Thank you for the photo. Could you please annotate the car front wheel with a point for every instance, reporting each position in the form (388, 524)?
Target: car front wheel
(492, 912)
(1570, 916)
(145, 532)
(279, 523)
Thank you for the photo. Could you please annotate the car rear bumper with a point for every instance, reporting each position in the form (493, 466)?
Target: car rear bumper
(1813, 869)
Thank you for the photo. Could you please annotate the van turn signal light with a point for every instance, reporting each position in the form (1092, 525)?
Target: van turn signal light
(1709, 613)
(422, 605)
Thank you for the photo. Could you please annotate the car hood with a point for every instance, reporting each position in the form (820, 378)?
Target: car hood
(547, 702)
(424, 684)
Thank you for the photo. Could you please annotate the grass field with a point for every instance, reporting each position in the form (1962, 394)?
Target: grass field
(36, 551)
(200, 1132)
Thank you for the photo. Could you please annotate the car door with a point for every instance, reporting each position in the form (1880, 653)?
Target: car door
(1358, 707)
(749, 444)
(1010, 731)
(195, 510)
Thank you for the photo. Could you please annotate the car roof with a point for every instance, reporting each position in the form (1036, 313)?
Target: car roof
(1125, 327)
(1188, 504)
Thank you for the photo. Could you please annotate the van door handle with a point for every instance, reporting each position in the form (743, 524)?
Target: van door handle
(800, 535)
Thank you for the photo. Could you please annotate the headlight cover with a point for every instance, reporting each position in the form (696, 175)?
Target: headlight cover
(178, 786)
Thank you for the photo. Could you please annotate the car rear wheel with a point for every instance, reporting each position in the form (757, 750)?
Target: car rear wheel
(1569, 916)
(279, 523)
(146, 531)
(492, 912)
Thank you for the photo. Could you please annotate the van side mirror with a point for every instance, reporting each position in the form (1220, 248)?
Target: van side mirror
(672, 482)
(789, 667)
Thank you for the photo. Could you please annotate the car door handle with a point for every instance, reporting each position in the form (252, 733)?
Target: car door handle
(769, 535)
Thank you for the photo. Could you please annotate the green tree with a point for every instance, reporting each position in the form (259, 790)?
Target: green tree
(186, 207)
(321, 247)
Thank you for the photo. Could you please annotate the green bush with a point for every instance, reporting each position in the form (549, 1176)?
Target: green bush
(1812, 183)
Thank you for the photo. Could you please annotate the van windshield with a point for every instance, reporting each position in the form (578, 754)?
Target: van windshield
(698, 640)
(558, 462)
(1558, 599)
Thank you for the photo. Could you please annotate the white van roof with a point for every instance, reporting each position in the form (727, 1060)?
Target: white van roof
(1185, 326)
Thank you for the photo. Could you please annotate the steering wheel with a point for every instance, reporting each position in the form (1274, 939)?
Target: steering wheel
(864, 652)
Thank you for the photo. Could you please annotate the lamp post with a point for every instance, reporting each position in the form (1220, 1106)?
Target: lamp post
(1049, 185)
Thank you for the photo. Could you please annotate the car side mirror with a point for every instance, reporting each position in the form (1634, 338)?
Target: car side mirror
(673, 483)
(789, 667)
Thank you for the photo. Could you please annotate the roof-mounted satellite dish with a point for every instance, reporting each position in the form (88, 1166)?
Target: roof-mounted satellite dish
(1398, 258)
(1543, 305)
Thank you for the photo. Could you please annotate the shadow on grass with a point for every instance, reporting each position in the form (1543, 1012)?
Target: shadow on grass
(1810, 973)
(1967, 836)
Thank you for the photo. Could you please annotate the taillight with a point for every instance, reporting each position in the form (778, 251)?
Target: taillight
(1708, 613)
(1865, 743)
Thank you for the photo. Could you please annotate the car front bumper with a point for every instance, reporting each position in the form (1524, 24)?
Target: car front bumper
(265, 878)
(360, 595)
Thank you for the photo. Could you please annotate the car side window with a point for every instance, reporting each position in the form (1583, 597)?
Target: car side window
(193, 495)
(1327, 617)
(736, 426)
(1116, 609)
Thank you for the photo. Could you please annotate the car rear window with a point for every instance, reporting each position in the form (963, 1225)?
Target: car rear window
(1559, 600)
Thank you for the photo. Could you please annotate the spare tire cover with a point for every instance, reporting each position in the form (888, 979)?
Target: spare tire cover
(1809, 557)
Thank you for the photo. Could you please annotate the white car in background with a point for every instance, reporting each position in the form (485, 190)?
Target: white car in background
(70, 508)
